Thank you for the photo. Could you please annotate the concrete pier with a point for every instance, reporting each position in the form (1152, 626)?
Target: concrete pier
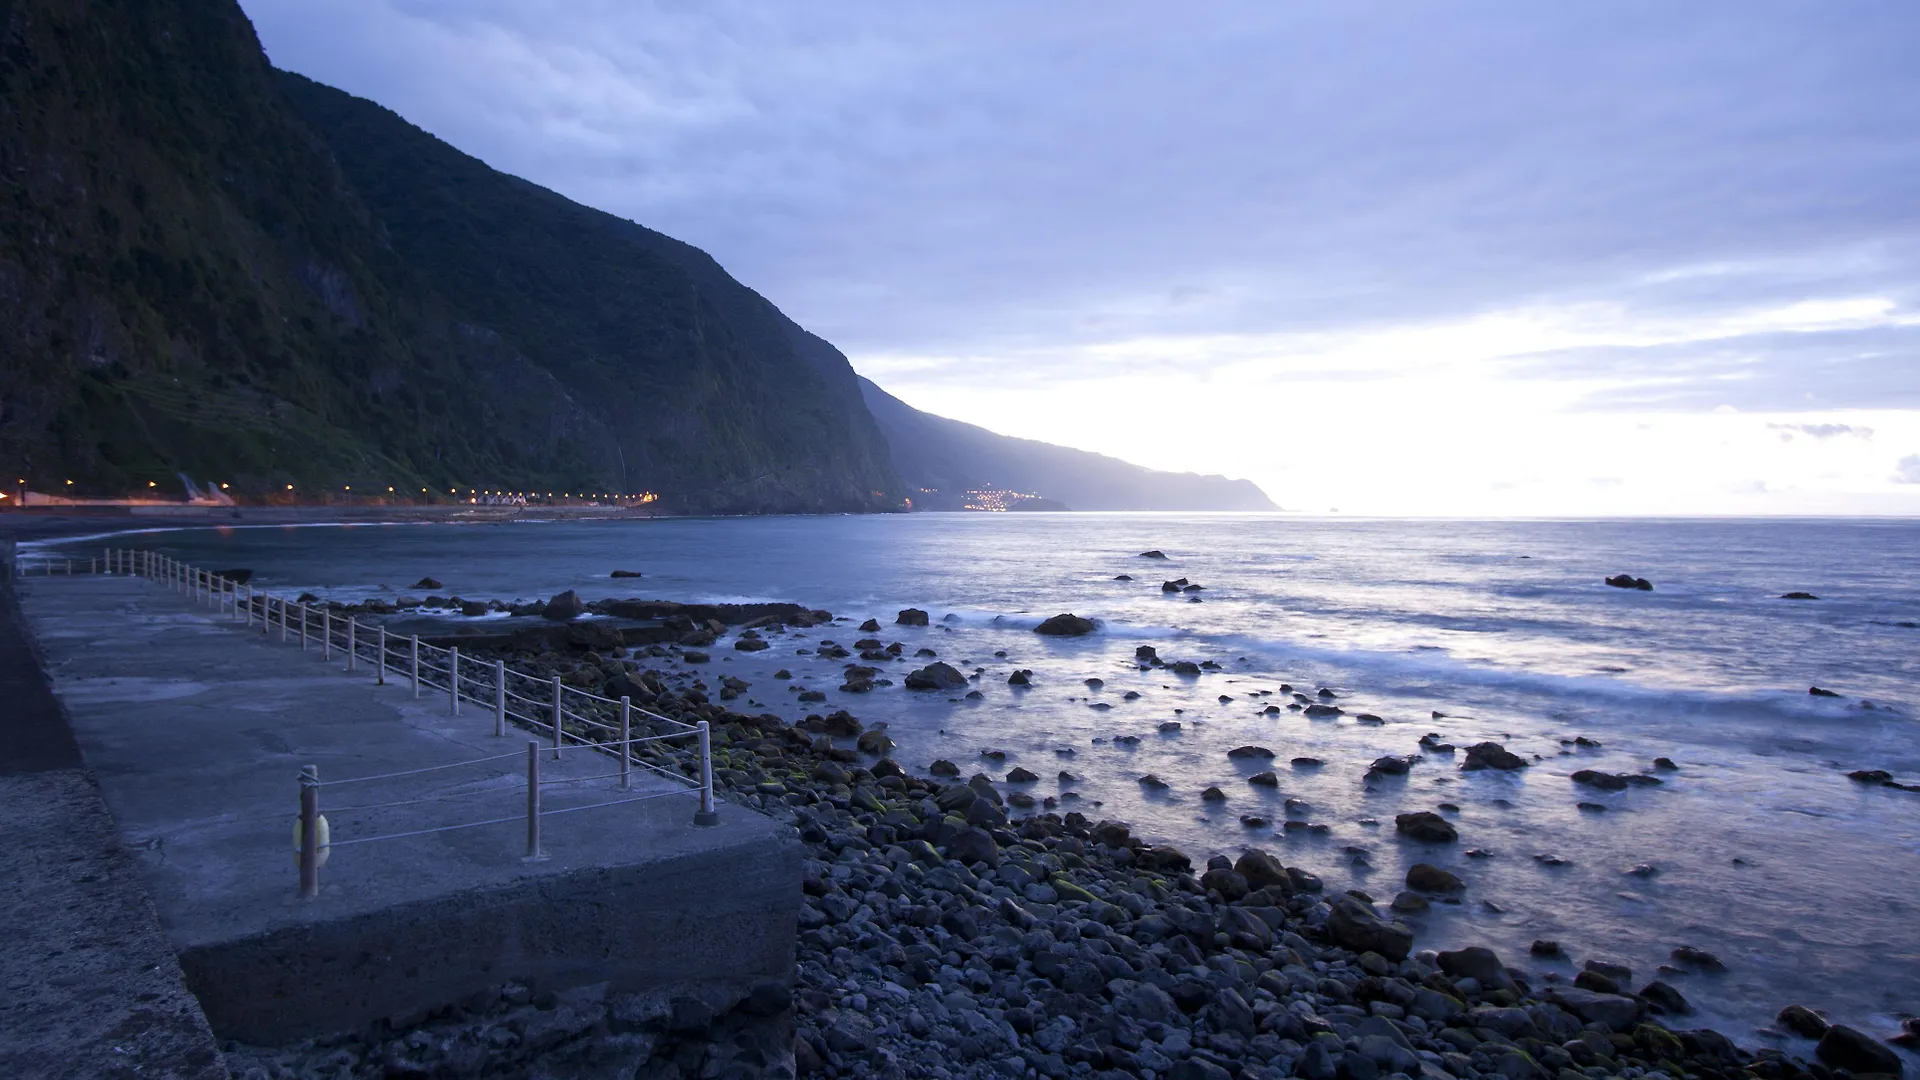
(197, 730)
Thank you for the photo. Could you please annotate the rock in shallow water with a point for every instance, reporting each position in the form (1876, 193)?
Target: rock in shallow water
(1066, 625)
(1426, 827)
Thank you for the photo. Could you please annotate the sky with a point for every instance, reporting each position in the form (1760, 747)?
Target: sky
(1385, 258)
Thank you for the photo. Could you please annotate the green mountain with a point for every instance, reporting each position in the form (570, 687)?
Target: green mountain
(708, 391)
(210, 269)
(943, 459)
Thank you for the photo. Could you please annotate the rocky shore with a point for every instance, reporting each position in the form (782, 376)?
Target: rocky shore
(962, 928)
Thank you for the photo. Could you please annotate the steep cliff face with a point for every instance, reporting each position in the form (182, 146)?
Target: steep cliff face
(951, 457)
(712, 395)
(214, 269)
(188, 285)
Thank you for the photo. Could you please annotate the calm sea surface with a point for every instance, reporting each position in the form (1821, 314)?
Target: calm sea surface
(1806, 884)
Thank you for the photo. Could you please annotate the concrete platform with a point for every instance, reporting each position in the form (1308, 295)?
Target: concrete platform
(197, 730)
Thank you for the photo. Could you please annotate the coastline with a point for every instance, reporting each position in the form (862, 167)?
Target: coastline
(951, 927)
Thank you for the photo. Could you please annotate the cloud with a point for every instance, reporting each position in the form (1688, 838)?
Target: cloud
(1627, 208)
(1876, 366)
(1821, 431)
(1907, 470)
(995, 175)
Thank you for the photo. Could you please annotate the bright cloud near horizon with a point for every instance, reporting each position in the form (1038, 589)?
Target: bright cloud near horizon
(1395, 258)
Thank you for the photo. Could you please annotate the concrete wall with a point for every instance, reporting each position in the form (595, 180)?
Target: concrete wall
(709, 924)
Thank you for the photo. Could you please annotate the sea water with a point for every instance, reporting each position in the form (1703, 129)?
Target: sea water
(1758, 848)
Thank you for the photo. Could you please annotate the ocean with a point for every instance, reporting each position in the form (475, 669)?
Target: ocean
(1757, 848)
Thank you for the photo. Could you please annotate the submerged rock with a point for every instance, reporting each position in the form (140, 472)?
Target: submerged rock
(1628, 581)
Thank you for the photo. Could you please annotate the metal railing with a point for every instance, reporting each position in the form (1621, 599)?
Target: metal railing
(568, 718)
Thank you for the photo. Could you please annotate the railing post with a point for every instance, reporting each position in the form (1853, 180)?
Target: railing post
(626, 742)
(500, 697)
(309, 832)
(533, 799)
(706, 815)
(353, 647)
(283, 620)
(246, 617)
(453, 679)
(558, 730)
(380, 673)
(326, 633)
(413, 660)
(303, 628)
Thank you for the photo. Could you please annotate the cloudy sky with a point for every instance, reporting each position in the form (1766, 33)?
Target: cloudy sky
(1393, 257)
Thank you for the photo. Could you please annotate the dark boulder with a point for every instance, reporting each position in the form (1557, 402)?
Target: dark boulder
(1426, 827)
(911, 617)
(1816, 691)
(1426, 877)
(625, 574)
(426, 583)
(1628, 581)
(1065, 625)
(871, 626)
(1391, 765)
(1491, 755)
(1798, 596)
(1802, 1021)
(974, 845)
(1156, 553)
(1263, 871)
(936, 676)
(1478, 963)
(1857, 1052)
(1602, 780)
(567, 605)
(1662, 997)
(1250, 752)
(1355, 924)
